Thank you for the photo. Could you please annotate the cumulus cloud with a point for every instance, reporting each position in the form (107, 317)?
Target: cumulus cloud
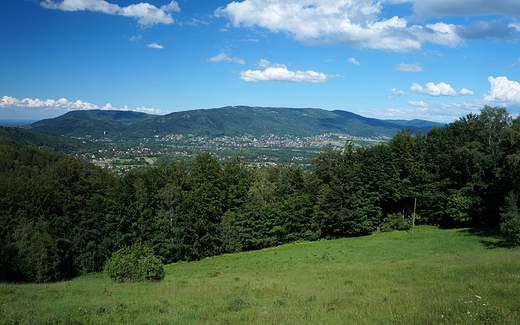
(408, 67)
(419, 103)
(353, 61)
(441, 89)
(363, 24)
(280, 73)
(397, 92)
(145, 13)
(36, 108)
(225, 57)
(155, 46)
(353, 23)
(503, 90)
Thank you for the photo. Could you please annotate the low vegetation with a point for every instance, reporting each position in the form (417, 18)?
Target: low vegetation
(457, 276)
(133, 264)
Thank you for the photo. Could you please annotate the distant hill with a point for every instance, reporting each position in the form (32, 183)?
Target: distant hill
(416, 123)
(13, 122)
(224, 121)
(91, 122)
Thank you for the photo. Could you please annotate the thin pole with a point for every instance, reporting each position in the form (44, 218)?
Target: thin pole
(413, 221)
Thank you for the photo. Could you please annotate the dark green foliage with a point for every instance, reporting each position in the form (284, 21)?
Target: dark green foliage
(47, 141)
(52, 224)
(510, 217)
(60, 216)
(133, 264)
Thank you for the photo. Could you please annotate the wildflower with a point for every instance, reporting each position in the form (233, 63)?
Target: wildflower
(478, 296)
(468, 312)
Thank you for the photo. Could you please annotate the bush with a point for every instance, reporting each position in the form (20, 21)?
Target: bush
(134, 263)
(395, 221)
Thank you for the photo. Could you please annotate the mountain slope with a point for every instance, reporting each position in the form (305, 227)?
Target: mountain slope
(92, 122)
(224, 121)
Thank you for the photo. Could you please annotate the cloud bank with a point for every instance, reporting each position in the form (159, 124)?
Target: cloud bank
(361, 23)
(145, 13)
(36, 108)
(441, 89)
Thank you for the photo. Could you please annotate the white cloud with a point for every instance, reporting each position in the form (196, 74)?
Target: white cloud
(408, 67)
(361, 23)
(353, 23)
(397, 92)
(135, 38)
(441, 89)
(503, 90)
(155, 46)
(279, 72)
(266, 64)
(145, 13)
(225, 57)
(419, 103)
(353, 61)
(36, 108)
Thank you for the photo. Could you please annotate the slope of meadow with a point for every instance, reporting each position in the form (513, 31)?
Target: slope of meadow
(431, 277)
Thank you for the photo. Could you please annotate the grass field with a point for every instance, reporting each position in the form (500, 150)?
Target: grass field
(434, 276)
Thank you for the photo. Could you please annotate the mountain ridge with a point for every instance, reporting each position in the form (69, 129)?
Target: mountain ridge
(223, 121)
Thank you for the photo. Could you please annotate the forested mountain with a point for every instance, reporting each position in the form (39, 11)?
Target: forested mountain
(91, 122)
(60, 216)
(225, 121)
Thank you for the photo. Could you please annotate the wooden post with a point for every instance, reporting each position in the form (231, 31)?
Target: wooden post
(413, 221)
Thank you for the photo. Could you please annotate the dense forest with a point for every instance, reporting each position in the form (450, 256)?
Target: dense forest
(60, 216)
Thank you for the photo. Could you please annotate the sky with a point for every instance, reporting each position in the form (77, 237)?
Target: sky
(434, 60)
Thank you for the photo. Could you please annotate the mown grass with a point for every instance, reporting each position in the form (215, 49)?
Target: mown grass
(432, 277)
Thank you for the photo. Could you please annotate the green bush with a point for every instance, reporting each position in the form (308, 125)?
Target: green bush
(394, 221)
(134, 263)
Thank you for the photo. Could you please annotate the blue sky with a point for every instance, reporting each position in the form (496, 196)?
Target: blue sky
(436, 60)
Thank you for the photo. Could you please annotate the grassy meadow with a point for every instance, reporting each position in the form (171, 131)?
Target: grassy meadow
(459, 276)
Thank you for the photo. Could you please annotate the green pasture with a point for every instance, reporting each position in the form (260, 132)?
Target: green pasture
(460, 276)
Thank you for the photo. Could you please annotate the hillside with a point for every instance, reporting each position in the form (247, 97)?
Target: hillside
(95, 123)
(431, 277)
(224, 121)
(47, 141)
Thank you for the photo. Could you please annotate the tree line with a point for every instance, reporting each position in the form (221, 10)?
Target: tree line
(60, 216)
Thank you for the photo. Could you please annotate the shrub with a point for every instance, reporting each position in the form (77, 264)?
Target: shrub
(134, 263)
(394, 221)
